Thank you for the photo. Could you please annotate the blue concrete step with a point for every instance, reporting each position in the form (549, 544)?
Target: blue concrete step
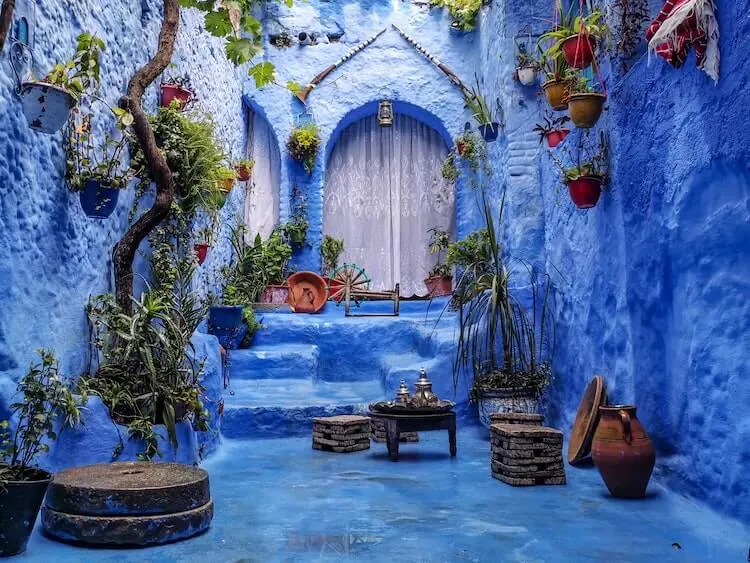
(282, 361)
(270, 408)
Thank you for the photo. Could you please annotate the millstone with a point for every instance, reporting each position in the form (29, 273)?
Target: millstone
(129, 489)
(127, 530)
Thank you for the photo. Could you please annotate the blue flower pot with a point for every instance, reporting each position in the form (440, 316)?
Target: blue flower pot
(225, 323)
(97, 200)
(489, 131)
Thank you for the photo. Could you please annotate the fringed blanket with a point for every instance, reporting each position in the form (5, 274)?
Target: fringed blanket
(683, 24)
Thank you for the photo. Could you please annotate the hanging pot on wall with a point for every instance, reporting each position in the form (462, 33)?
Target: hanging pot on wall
(557, 94)
(586, 108)
(556, 137)
(201, 251)
(585, 191)
(225, 322)
(526, 75)
(578, 50)
(243, 172)
(98, 200)
(439, 286)
(171, 92)
(20, 502)
(623, 452)
(489, 131)
(45, 106)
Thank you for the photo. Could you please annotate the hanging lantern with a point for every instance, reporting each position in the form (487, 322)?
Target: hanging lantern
(385, 114)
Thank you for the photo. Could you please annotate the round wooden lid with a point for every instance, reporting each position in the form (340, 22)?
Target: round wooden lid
(308, 292)
(587, 417)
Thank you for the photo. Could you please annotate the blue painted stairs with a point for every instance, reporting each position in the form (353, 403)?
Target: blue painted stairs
(303, 366)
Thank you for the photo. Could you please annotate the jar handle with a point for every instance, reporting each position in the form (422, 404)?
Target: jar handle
(625, 419)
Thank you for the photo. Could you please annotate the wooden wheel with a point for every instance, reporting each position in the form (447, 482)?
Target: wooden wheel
(349, 277)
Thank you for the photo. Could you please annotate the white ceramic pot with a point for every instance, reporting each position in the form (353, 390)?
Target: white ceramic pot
(526, 75)
(46, 107)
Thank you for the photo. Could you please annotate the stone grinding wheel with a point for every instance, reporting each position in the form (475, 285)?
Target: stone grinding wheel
(133, 503)
(587, 418)
(308, 292)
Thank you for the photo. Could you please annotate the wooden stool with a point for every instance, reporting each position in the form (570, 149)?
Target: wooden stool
(341, 434)
(524, 455)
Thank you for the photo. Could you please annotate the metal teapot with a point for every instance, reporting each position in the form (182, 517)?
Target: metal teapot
(423, 395)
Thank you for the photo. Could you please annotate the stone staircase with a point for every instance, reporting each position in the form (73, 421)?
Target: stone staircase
(303, 366)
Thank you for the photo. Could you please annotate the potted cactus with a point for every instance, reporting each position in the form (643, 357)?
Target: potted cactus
(46, 406)
(47, 102)
(552, 129)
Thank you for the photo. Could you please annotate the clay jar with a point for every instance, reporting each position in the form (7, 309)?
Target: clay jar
(623, 452)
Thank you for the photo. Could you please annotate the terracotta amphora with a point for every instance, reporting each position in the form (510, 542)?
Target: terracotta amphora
(623, 452)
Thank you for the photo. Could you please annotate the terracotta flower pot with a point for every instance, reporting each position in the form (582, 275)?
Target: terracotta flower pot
(201, 251)
(439, 286)
(557, 94)
(623, 452)
(578, 50)
(275, 294)
(226, 185)
(526, 75)
(556, 137)
(45, 106)
(170, 92)
(243, 172)
(585, 191)
(585, 109)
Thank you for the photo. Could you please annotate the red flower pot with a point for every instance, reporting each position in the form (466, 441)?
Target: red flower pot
(439, 286)
(556, 137)
(585, 191)
(170, 92)
(201, 250)
(578, 50)
(460, 147)
(243, 172)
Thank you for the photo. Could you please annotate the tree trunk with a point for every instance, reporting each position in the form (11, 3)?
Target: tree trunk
(124, 251)
(6, 21)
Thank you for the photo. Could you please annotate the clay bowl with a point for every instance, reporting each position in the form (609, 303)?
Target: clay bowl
(308, 292)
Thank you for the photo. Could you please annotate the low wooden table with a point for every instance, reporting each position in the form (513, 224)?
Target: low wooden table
(395, 424)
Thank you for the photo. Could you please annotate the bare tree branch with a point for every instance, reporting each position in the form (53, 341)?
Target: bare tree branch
(6, 21)
(124, 251)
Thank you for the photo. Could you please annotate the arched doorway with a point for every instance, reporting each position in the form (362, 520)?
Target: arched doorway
(383, 193)
(262, 201)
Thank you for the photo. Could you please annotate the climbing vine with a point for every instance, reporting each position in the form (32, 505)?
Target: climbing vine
(628, 19)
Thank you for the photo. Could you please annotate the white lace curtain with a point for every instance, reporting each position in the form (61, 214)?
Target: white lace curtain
(383, 192)
(262, 201)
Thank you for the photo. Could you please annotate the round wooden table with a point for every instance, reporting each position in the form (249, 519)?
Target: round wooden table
(396, 423)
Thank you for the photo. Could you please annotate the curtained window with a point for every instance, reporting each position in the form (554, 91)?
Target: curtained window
(262, 201)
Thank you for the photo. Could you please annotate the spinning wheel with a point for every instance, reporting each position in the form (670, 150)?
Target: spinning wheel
(349, 279)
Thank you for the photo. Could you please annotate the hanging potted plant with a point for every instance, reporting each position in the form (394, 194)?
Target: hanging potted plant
(176, 89)
(575, 37)
(244, 168)
(47, 102)
(589, 173)
(439, 280)
(464, 13)
(556, 86)
(202, 244)
(527, 66)
(483, 115)
(505, 345)
(94, 169)
(303, 145)
(585, 104)
(449, 170)
(47, 405)
(553, 129)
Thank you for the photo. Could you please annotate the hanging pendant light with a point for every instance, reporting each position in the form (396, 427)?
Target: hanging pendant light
(385, 114)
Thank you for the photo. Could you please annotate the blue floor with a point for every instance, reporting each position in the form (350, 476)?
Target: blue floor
(279, 500)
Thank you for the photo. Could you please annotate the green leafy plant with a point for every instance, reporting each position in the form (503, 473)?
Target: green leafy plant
(295, 230)
(87, 159)
(463, 12)
(195, 157)
(303, 145)
(47, 400)
(479, 107)
(79, 75)
(330, 251)
(524, 59)
(555, 67)
(449, 171)
(589, 160)
(579, 84)
(502, 341)
(572, 25)
(472, 148)
(439, 243)
(551, 123)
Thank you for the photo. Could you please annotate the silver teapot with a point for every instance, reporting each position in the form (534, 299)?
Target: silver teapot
(402, 395)
(423, 395)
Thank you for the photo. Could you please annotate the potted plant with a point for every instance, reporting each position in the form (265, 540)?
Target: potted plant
(575, 37)
(176, 89)
(330, 252)
(463, 13)
(47, 404)
(585, 104)
(303, 145)
(202, 244)
(556, 86)
(552, 129)
(527, 66)
(295, 230)
(448, 170)
(280, 40)
(276, 254)
(588, 174)
(472, 149)
(244, 168)
(503, 343)
(439, 280)
(47, 102)
(483, 115)
(94, 169)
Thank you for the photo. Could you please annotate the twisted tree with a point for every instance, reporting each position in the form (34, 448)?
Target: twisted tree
(6, 20)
